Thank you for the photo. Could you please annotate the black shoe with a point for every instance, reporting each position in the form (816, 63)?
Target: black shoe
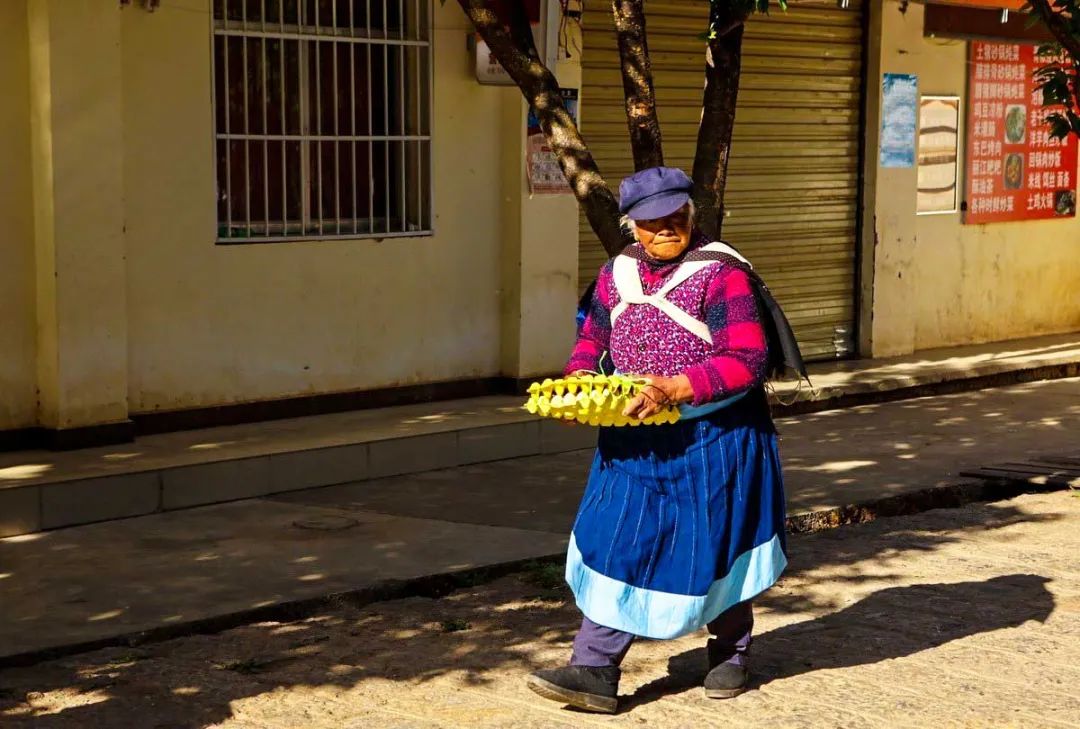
(726, 681)
(583, 687)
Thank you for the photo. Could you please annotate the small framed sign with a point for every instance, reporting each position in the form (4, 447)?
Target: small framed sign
(939, 133)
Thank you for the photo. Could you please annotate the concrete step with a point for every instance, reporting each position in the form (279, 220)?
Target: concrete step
(47, 490)
(41, 490)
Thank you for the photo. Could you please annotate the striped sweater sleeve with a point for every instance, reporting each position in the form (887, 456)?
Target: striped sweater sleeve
(739, 356)
(595, 335)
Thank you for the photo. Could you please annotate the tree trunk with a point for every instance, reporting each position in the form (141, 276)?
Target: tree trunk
(638, 83)
(541, 90)
(521, 30)
(723, 65)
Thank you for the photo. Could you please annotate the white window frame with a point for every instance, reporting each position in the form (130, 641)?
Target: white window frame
(417, 222)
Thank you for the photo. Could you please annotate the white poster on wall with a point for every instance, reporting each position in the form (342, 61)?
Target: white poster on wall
(544, 17)
(899, 105)
(541, 166)
(939, 129)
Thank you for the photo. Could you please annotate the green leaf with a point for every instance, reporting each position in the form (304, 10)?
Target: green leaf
(1059, 126)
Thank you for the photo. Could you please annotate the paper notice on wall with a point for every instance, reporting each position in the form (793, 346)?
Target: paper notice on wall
(541, 165)
(899, 111)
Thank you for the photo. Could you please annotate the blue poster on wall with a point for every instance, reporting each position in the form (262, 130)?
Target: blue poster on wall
(899, 114)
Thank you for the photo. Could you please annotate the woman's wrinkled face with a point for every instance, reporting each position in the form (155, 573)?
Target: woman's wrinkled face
(665, 238)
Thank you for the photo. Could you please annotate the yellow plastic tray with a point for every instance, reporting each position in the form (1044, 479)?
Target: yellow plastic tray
(592, 400)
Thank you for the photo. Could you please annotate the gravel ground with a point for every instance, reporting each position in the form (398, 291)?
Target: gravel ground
(951, 618)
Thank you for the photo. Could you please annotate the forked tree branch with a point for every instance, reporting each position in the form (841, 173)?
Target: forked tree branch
(541, 90)
(723, 65)
(641, 119)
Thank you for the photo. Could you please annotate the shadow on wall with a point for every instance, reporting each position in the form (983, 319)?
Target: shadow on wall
(339, 660)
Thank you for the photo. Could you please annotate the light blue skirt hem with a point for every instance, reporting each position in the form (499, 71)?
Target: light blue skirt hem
(665, 615)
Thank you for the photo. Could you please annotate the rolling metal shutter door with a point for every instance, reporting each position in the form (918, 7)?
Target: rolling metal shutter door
(794, 171)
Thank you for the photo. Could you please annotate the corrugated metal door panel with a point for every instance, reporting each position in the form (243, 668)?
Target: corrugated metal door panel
(760, 99)
(793, 186)
(763, 85)
(830, 151)
(664, 61)
(673, 47)
(689, 116)
(818, 13)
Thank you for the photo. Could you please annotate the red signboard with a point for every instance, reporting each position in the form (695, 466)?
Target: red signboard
(1015, 170)
(990, 4)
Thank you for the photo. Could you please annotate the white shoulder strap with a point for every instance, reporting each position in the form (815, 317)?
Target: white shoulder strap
(628, 284)
(684, 272)
(719, 247)
(627, 281)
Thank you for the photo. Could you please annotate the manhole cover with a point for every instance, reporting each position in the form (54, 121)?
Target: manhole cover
(326, 523)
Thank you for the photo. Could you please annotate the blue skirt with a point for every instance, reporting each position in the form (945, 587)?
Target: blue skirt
(679, 522)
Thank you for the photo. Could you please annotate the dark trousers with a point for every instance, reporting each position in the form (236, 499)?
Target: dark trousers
(596, 645)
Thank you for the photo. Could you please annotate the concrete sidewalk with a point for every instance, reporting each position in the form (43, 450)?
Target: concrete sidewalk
(48, 490)
(215, 566)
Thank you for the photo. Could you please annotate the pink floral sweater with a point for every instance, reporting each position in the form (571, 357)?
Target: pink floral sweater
(646, 341)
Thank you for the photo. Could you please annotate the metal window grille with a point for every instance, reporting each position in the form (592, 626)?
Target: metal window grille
(322, 111)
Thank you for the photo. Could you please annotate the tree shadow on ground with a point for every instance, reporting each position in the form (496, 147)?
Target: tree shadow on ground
(883, 549)
(487, 633)
(873, 630)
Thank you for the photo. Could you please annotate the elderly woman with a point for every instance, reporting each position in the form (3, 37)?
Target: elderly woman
(681, 525)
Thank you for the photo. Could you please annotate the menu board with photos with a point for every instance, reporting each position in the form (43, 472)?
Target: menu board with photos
(991, 4)
(1015, 169)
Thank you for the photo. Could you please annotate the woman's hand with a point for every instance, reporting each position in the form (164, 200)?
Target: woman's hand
(660, 392)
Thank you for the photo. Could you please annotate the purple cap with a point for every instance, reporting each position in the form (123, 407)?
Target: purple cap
(654, 193)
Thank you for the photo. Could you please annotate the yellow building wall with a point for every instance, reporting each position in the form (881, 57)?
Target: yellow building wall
(79, 258)
(938, 282)
(18, 399)
(209, 325)
(539, 260)
(491, 292)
